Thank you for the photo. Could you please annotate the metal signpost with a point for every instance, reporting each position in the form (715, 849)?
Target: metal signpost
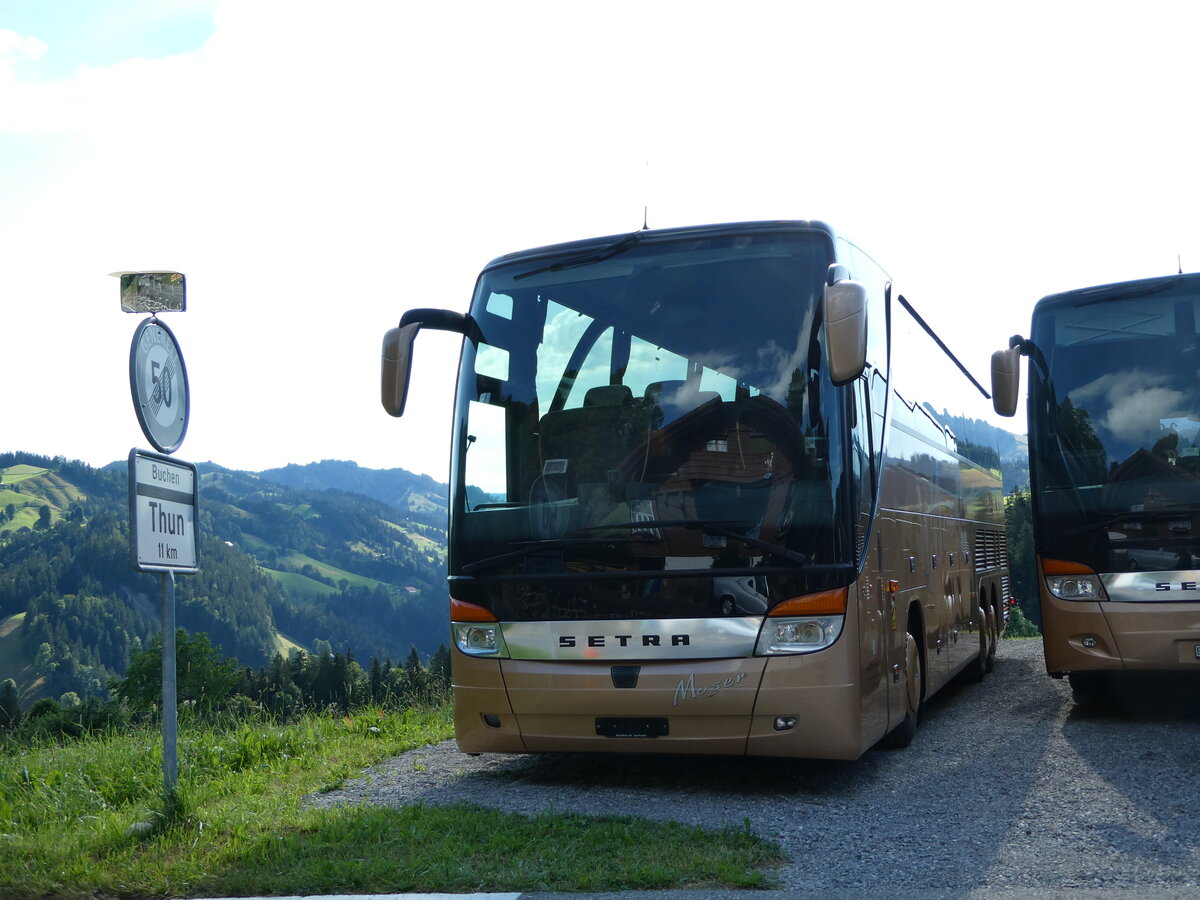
(163, 492)
(163, 534)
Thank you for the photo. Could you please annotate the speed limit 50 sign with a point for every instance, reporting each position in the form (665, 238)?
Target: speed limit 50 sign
(158, 381)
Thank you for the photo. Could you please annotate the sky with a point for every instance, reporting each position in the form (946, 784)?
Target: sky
(317, 168)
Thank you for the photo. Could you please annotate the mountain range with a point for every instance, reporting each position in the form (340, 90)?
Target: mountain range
(301, 556)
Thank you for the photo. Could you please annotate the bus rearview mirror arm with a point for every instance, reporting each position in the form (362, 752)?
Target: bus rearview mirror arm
(397, 350)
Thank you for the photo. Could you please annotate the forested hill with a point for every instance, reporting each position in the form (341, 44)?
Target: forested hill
(280, 564)
(422, 498)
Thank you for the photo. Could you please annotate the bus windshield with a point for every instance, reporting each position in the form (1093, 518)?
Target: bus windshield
(660, 406)
(1115, 427)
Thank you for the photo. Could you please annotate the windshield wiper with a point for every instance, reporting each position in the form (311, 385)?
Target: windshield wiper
(1147, 515)
(721, 528)
(531, 547)
(607, 252)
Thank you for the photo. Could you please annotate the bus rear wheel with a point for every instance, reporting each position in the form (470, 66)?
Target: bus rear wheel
(993, 626)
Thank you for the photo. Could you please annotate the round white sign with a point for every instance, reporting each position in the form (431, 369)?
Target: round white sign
(158, 381)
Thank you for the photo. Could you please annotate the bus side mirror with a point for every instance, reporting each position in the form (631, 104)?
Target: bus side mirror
(1006, 380)
(397, 349)
(846, 330)
(397, 366)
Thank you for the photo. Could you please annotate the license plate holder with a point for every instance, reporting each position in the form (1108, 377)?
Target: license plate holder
(632, 726)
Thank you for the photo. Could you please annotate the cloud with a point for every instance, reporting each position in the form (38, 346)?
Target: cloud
(13, 45)
(14, 50)
(1137, 401)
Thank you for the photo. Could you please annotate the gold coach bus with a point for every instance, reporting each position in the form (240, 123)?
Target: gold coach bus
(1114, 451)
(689, 511)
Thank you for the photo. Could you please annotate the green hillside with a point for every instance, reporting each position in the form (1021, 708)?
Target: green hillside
(26, 489)
(316, 564)
(15, 661)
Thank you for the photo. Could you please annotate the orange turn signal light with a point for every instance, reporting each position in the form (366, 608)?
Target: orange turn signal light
(1064, 567)
(824, 603)
(462, 611)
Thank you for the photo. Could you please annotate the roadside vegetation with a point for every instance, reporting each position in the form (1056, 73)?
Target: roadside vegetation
(1025, 618)
(84, 814)
(82, 817)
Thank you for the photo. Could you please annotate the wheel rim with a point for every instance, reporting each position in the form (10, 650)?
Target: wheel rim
(913, 682)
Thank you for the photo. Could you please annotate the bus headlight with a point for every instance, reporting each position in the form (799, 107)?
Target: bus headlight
(479, 638)
(1074, 587)
(805, 634)
(1069, 580)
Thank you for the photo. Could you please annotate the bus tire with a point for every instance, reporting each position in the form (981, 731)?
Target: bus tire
(993, 625)
(902, 735)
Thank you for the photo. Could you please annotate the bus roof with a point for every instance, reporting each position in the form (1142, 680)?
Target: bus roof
(1116, 290)
(660, 234)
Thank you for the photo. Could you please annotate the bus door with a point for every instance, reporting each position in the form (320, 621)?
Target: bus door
(876, 638)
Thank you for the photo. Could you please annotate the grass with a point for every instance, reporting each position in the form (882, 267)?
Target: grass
(285, 645)
(297, 560)
(14, 474)
(242, 825)
(298, 585)
(44, 488)
(16, 662)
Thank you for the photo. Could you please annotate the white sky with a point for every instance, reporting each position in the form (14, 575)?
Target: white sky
(317, 168)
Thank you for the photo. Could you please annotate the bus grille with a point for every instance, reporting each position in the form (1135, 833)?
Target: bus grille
(991, 550)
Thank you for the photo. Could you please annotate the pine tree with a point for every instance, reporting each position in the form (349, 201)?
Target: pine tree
(376, 680)
(10, 706)
(439, 668)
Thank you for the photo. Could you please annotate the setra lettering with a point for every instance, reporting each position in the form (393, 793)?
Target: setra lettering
(567, 641)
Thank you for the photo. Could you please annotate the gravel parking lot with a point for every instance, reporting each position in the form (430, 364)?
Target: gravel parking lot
(1009, 787)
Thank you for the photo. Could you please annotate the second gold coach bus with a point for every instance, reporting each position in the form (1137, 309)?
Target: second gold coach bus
(1114, 448)
(692, 510)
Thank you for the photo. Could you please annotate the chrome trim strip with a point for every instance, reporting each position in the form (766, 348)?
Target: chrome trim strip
(1153, 587)
(641, 639)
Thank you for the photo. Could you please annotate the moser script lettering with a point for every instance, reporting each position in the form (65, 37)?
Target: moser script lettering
(687, 688)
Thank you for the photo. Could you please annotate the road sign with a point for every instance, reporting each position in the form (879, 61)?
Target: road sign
(158, 381)
(162, 513)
